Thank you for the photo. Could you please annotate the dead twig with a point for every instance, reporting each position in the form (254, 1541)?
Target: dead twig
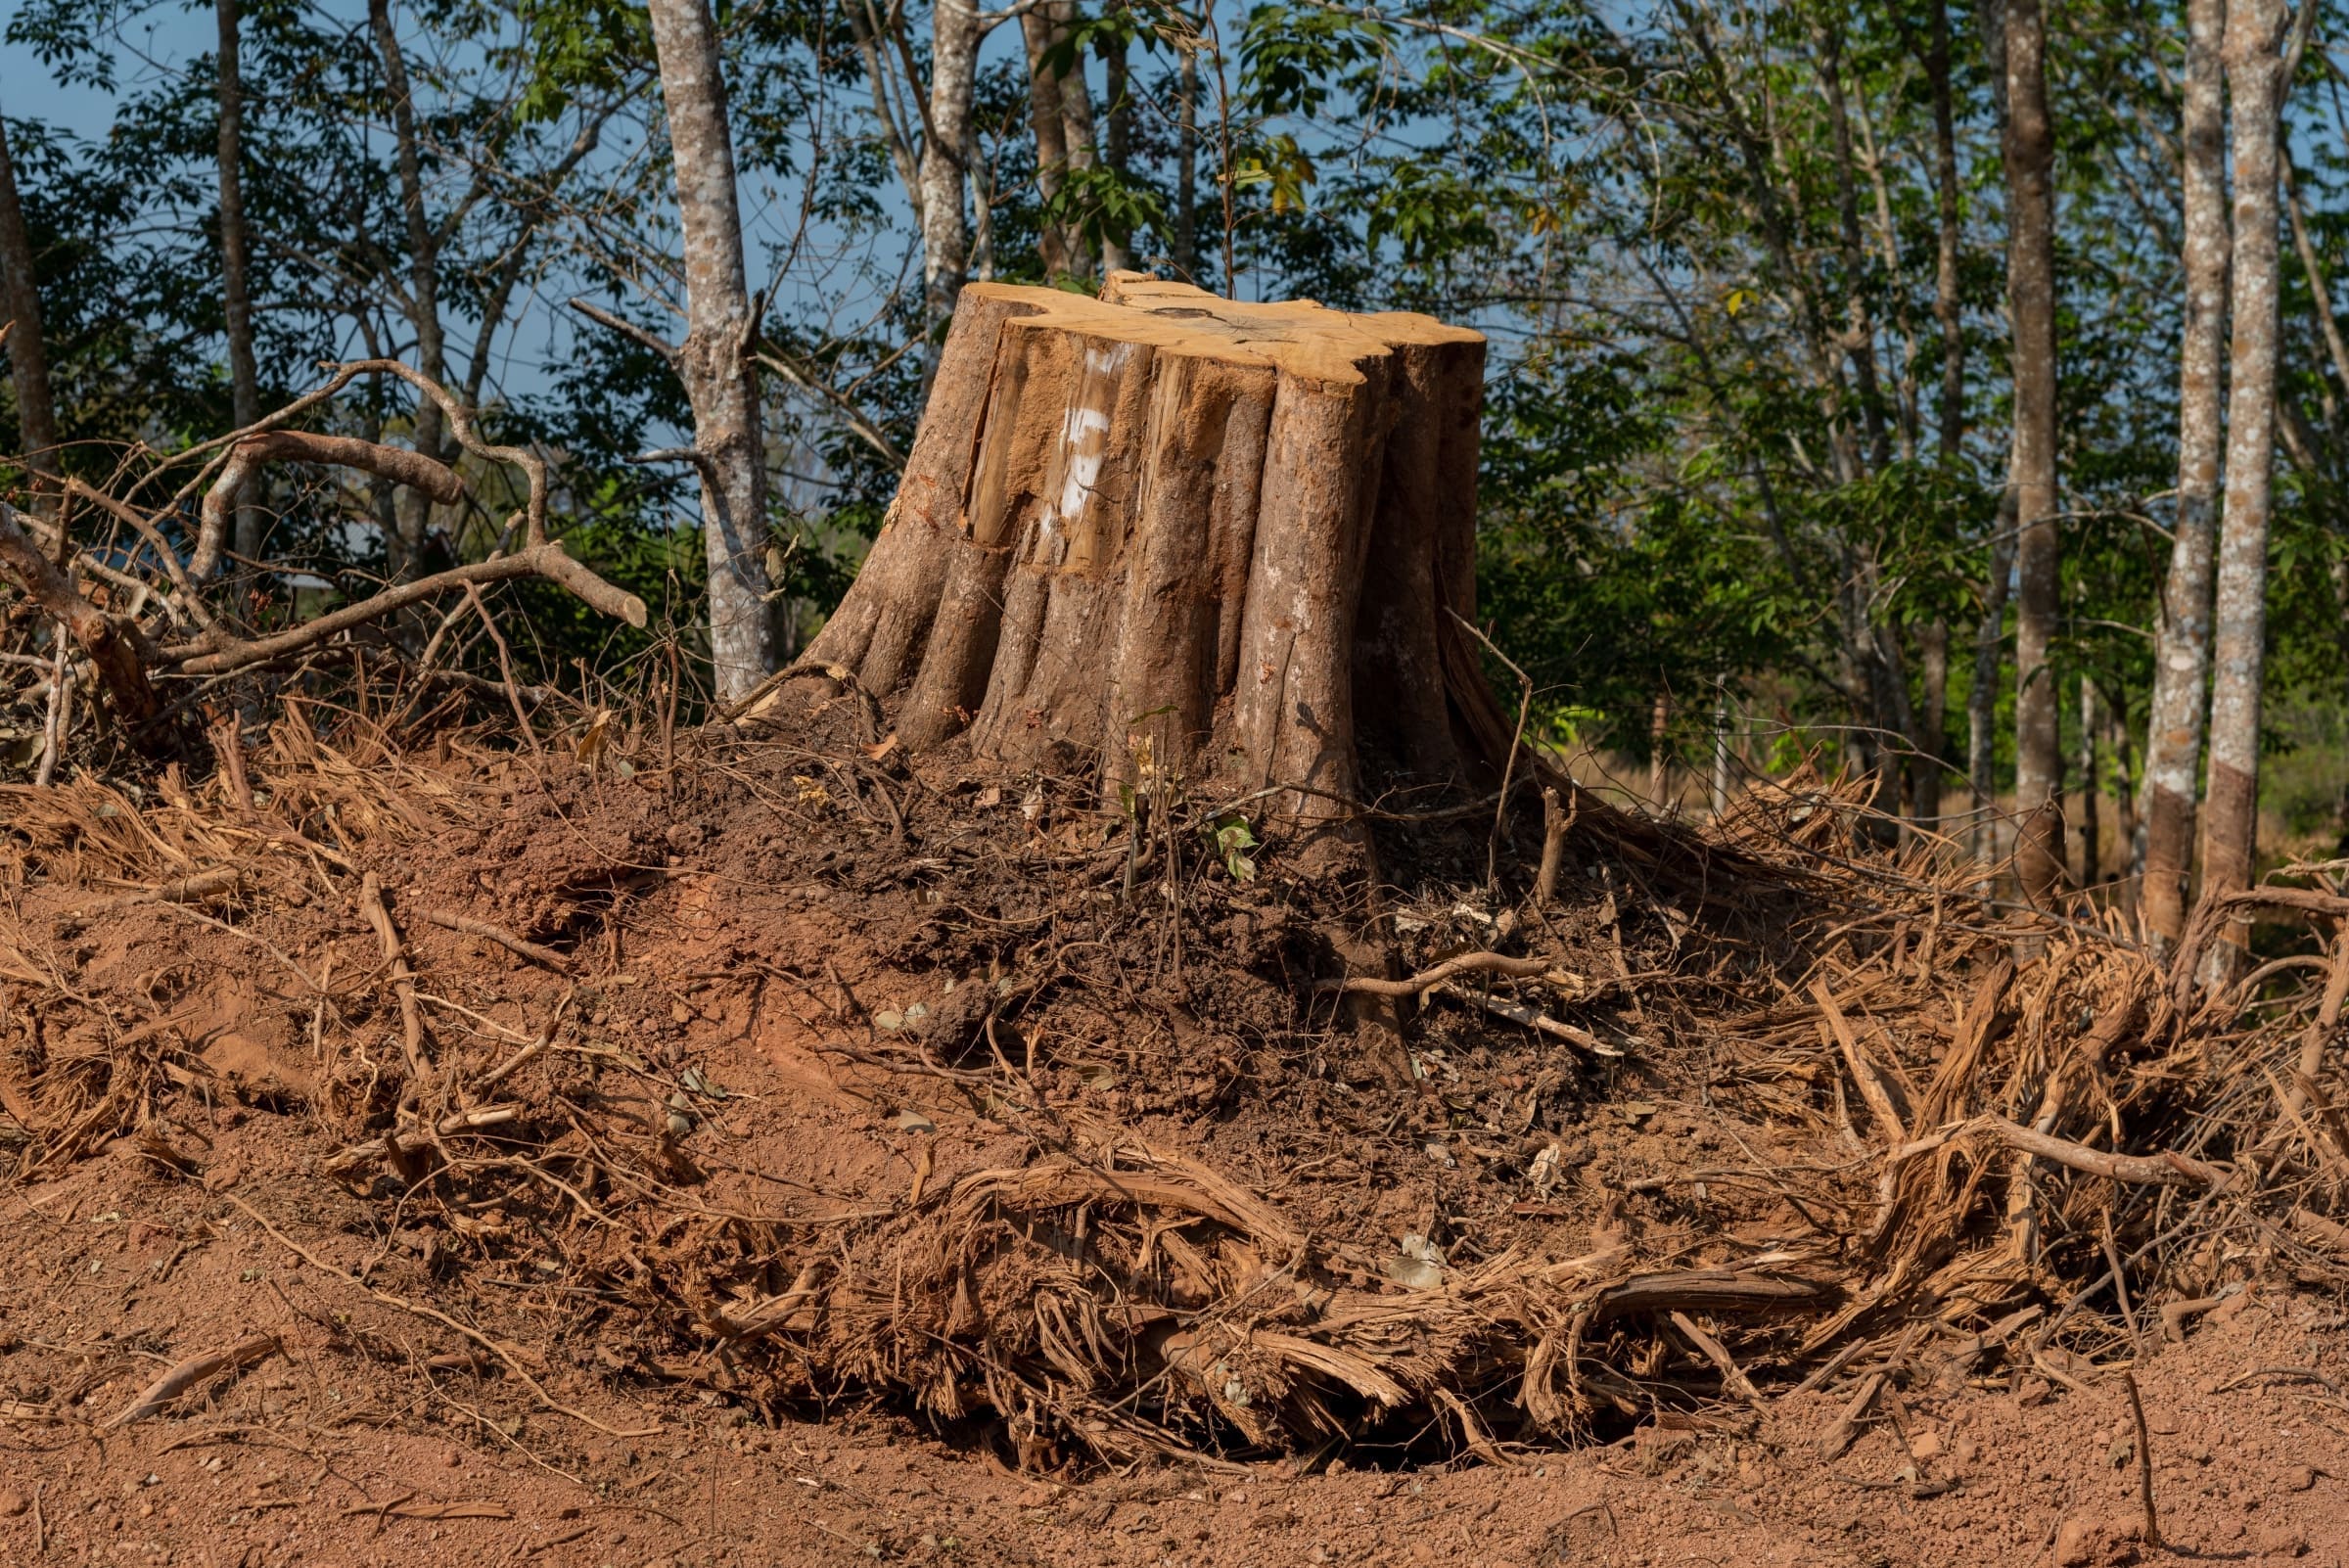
(546, 957)
(192, 1372)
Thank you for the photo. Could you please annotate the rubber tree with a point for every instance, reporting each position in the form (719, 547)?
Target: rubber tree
(2029, 148)
(2255, 60)
(236, 287)
(714, 360)
(20, 314)
(2181, 635)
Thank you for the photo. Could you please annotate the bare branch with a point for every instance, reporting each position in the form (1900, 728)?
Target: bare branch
(394, 463)
(547, 561)
(114, 647)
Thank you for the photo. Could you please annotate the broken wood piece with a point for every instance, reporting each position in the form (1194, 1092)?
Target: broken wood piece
(1708, 1290)
(1734, 1380)
(1879, 1089)
(1846, 1431)
(192, 1372)
(195, 889)
(411, 1022)
(1557, 820)
(516, 946)
(1531, 1018)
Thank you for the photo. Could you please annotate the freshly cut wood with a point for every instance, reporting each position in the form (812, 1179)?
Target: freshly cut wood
(1164, 535)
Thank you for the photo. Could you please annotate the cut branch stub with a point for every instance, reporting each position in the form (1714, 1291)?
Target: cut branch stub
(1166, 533)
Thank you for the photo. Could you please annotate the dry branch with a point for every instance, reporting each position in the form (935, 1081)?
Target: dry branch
(1467, 963)
(394, 463)
(115, 647)
(192, 1372)
(546, 956)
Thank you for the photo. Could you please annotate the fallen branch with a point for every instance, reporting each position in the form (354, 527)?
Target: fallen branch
(1467, 963)
(499, 935)
(394, 463)
(403, 980)
(547, 561)
(1519, 1013)
(2158, 1170)
(192, 1372)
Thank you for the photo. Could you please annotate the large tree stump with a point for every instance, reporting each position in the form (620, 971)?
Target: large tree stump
(1162, 533)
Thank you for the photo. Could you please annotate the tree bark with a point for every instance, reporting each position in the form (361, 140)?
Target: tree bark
(1982, 697)
(714, 362)
(1117, 139)
(2030, 157)
(1057, 241)
(2255, 30)
(236, 298)
(1187, 164)
(1949, 308)
(1164, 535)
(954, 35)
(2181, 635)
(412, 511)
(1933, 677)
(28, 347)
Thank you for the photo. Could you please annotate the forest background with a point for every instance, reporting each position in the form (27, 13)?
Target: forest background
(1897, 386)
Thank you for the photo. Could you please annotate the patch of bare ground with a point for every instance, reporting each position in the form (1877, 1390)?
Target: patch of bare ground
(753, 1146)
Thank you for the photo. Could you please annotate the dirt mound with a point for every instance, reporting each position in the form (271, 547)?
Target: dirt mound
(766, 1069)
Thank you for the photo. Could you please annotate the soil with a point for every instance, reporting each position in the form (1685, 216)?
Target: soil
(799, 1008)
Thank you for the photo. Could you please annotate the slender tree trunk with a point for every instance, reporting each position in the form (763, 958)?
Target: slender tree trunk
(956, 31)
(412, 510)
(1053, 241)
(2255, 82)
(2181, 637)
(21, 309)
(2091, 828)
(1860, 332)
(2030, 158)
(244, 375)
(1117, 140)
(1982, 697)
(1933, 675)
(1659, 755)
(1186, 166)
(1949, 307)
(716, 363)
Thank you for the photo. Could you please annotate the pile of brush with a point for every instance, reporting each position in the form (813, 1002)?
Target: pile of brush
(2001, 1146)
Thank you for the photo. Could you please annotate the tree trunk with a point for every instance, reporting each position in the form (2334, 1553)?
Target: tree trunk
(236, 299)
(1933, 674)
(2030, 158)
(956, 31)
(2092, 831)
(1117, 140)
(1186, 165)
(1056, 240)
(1982, 697)
(1949, 309)
(2182, 637)
(715, 363)
(2255, 82)
(21, 310)
(412, 511)
(1163, 536)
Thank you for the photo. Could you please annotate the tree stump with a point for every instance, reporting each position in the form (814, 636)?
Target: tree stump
(1164, 535)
